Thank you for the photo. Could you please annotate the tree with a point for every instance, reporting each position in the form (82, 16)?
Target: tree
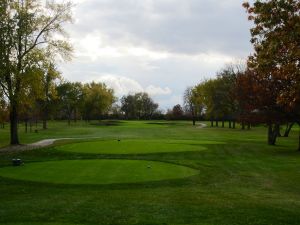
(28, 33)
(48, 75)
(3, 110)
(138, 106)
(115, 112)
(213, 97)
(70, 97)
(274, 69)
(230, 106)
(128, 106)
(191, 104)
(98, 99)
(145, 105)
(177, 112)
(28, 101)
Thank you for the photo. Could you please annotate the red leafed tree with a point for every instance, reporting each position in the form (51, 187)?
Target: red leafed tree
(257, 100)
(271, 86)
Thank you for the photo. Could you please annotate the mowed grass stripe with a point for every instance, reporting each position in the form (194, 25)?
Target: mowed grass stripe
(104, 171)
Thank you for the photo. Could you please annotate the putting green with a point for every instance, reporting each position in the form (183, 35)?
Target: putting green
(135, 146)
(104, 171)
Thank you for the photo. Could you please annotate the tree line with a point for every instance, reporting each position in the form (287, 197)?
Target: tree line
(265, 91)
(215, 99)
(32, 41)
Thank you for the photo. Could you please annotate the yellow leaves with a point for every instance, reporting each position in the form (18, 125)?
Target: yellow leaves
(97, 97)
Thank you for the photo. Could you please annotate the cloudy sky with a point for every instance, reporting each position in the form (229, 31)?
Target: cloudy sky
(157, 46)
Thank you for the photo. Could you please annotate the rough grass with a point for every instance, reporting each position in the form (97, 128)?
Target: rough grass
(241, 180)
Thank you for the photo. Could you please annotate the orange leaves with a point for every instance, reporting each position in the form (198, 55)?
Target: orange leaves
(246, 5)
(276, 39)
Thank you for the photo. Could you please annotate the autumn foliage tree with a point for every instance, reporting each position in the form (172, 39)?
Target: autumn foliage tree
(138, 106)
(97, 100)
(191, 104)
(215, 98)
(30, 30)
(48, 75)
(69, 99)
(273, 76)
(176, 113)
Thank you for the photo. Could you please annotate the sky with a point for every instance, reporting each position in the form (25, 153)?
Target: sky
(157, 46)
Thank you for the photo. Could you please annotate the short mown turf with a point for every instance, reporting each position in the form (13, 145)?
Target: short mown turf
(105, 171)
(240, 179)
(136, 146)
(38, 223)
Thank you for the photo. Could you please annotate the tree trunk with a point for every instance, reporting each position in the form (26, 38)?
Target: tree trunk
(217, 123)
(44, 124)
(299, 141)
(26, 125)
(69, 120)
(248, 126)
(278, 132)
(194, 121)
(75, 115)
(212, 123)
(233, 124)
(243, 126)
(299, 137)
(229, 123)
(14, 137)
(45, 117)
(288, 129)
(223, 124)
(272, 133)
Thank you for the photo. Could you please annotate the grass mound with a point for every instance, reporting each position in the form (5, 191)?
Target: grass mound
(108, 171)
(135, 146)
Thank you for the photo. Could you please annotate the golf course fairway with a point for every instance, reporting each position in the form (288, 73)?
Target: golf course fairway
(135, 146)
(104, 171)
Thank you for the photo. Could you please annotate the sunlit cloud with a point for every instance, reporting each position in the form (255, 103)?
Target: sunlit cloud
(156, 46)
(156, 91)
(123, 86)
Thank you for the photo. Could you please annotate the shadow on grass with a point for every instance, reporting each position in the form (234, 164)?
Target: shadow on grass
(177, 182)
(107, 123)
(163, 123)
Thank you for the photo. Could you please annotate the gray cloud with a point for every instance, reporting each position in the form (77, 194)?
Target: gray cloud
(189, 26)
(157, 43)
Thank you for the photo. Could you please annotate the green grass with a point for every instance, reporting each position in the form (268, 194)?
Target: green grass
(135, 146)
(39, 223)
(105, 171)
(240, 180)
